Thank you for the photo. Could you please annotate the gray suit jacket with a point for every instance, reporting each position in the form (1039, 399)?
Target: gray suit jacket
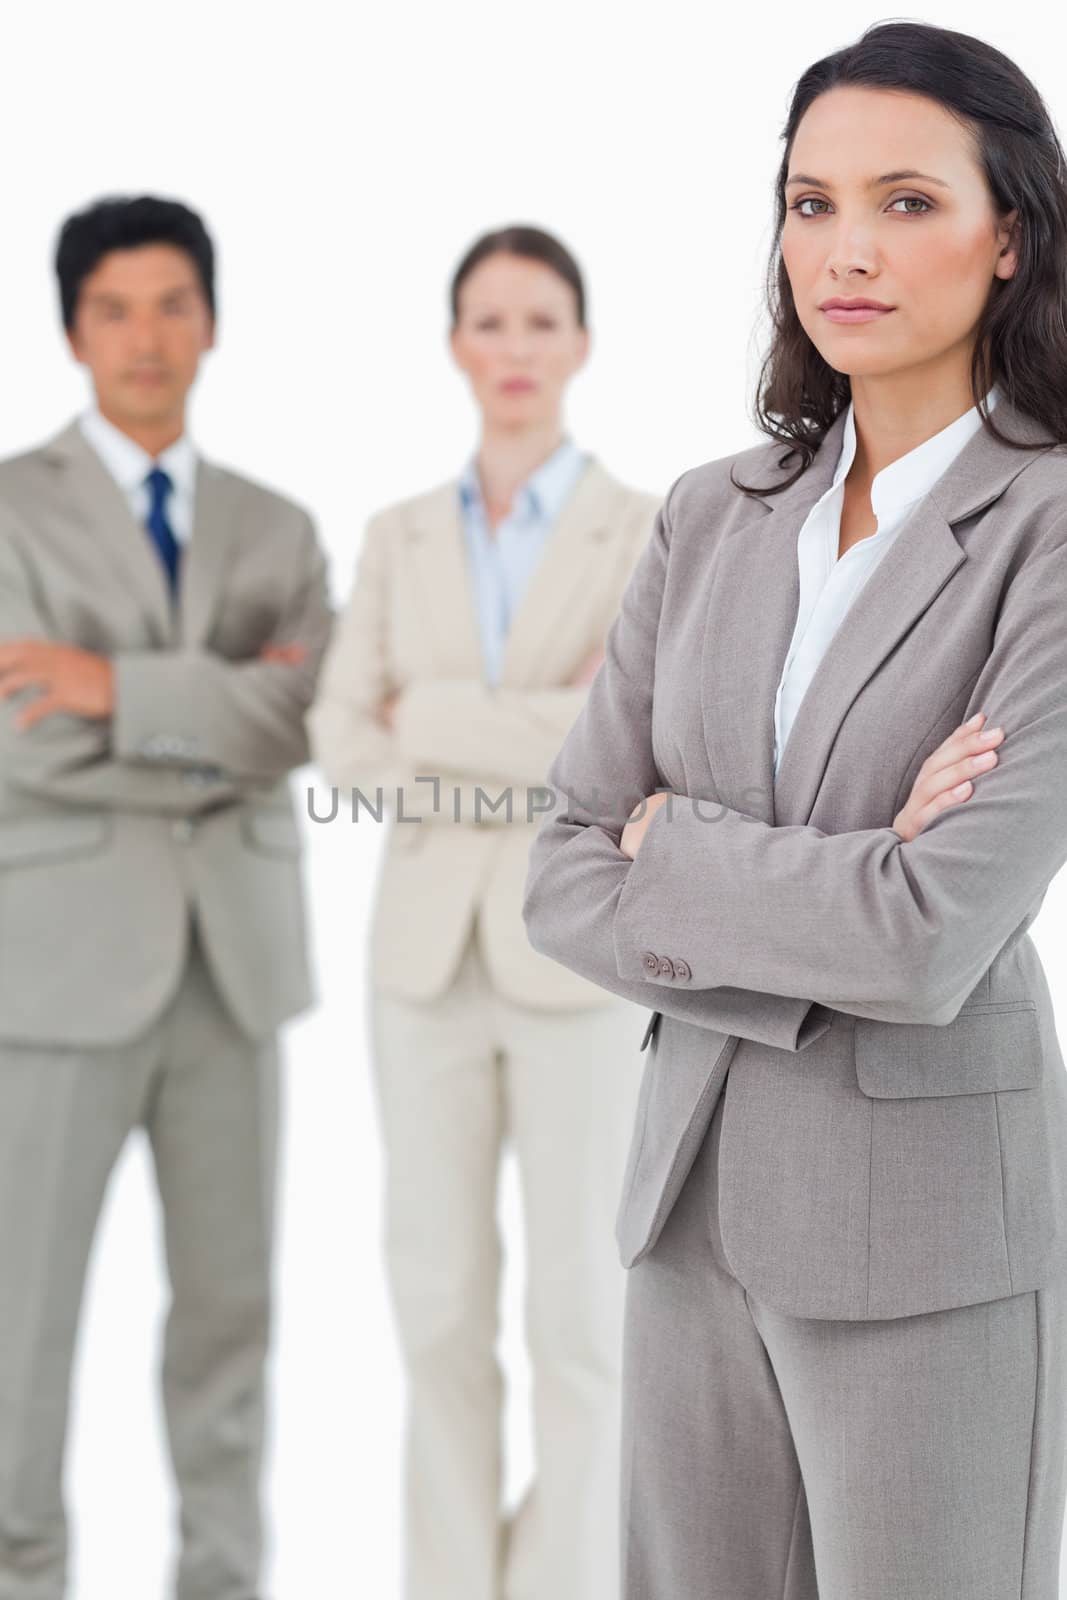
(111, 828)
(895, 1128)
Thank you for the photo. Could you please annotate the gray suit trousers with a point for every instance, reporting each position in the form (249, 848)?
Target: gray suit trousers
(206, 1095)
(775, 1457)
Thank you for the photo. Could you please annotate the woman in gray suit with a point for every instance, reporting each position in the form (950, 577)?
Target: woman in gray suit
(845, 1212)
(475, 625)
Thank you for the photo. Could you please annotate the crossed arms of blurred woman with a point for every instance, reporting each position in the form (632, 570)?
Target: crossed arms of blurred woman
(367, 733)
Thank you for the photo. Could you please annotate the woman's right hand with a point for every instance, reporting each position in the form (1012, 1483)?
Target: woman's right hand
(944, 779)
(589, 668)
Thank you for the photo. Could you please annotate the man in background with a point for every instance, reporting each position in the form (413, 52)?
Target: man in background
(162, 620)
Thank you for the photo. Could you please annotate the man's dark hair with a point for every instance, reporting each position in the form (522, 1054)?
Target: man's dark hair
(123, 223)
(519, 239)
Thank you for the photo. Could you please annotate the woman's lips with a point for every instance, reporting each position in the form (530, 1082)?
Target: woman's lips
(517, 386)
(855, 313)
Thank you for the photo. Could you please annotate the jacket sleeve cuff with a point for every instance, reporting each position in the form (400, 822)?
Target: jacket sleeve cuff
(651, 934)
(649, 937)
(148, 720)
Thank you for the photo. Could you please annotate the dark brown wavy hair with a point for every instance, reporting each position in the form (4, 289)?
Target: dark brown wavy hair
(1021, 337)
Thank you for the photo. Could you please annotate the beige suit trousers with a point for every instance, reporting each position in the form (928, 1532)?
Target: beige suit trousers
(457, 1076)
(206, 1096)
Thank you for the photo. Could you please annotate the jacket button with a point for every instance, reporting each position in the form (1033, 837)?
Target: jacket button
(651, 961)
(682, 969)
(666, 967)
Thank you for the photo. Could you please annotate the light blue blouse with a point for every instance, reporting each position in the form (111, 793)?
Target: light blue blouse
(502, 562)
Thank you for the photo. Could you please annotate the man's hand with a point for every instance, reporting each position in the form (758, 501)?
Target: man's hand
(71, 679)
(76, 680)
(634, 831)
(292, 653)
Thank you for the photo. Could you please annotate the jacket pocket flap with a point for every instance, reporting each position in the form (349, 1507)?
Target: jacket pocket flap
(27, 839)
(989, 1045)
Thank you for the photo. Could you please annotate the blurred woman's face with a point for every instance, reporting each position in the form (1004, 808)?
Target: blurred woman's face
(887, 202)
(518, 339)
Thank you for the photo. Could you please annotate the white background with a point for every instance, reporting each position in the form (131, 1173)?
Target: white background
(344, 155)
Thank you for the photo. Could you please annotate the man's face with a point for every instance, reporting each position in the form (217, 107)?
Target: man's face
(141, 324)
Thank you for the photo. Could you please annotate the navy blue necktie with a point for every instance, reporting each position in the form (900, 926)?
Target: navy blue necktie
(160, 484)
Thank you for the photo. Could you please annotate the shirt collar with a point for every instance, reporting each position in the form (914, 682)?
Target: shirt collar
(912, 475)
(129, 463)
(544, 492)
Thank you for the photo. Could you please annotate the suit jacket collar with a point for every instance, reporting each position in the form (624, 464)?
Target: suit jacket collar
(747, 636)
(129, 463)
(103, 510)
(548, 487)
(568, 571)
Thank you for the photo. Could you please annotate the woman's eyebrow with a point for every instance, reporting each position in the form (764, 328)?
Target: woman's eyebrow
(872, 183)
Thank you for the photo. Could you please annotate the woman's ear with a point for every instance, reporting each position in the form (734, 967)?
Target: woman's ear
(1009, 234)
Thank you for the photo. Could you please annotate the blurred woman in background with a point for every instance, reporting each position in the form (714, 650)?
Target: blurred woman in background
(474, 628)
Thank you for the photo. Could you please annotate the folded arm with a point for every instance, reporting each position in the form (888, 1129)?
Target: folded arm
(577, 873)
(355, 749)
(246, 718)
(861, 922)
(67, 757)
(864, 919)
(501, 735)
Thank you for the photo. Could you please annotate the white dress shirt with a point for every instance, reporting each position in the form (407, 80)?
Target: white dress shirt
(129, 465)
(828, 586)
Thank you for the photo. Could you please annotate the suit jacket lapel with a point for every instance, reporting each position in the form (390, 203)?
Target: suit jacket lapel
(212, 547)
(565, 574)
(754, 605)
(439, 551)
(755, 591)
(565, 578)
(103, 514)
(91, 494)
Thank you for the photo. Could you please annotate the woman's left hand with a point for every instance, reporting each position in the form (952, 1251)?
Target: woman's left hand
(634, 831)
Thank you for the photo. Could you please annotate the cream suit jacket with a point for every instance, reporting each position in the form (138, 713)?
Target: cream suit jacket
(894, 1135)
(410, 625)
(111, 829)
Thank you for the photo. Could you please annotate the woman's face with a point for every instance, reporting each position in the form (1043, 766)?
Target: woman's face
(518, 339)
(863, 223)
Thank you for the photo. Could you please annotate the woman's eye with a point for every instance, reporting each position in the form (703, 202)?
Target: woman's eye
(917, 199)
(813, 200)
